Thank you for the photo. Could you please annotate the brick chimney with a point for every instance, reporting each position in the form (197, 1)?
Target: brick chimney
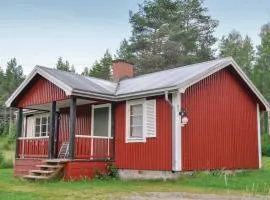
(122, 69)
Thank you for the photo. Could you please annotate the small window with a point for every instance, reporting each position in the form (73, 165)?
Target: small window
(42, 125)
(140, 120)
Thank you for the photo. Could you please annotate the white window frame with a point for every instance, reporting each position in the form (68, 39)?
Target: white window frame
(107, 105)
(47, 115)
(128, 106)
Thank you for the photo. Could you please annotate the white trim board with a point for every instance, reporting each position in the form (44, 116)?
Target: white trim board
(177, 133)
(259, 136)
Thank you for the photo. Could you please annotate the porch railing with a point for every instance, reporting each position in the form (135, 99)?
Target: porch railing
(94, 147)
(87, 147)
(33, 147)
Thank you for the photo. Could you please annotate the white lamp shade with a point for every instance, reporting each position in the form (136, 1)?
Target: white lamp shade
(184, 120)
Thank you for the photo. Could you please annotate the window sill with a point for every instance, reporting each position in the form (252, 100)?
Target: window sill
(135, 140)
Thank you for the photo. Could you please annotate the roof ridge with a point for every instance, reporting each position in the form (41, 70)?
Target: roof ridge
(174, 68)
(80, 75)
(184, 66)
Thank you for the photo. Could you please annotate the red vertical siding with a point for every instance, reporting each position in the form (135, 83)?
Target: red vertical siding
(76, 170)
(155, 154)
(83, 123)
(41, 92)
(222, 127)
(33, 148)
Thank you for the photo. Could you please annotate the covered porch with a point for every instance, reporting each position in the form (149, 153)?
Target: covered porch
(73, 128)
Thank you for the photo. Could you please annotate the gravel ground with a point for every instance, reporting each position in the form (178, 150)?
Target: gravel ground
(189, 196)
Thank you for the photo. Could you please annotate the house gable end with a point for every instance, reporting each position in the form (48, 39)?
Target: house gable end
(39, 91)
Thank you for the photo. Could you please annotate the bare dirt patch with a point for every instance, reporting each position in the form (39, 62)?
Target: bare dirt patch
(189, 196)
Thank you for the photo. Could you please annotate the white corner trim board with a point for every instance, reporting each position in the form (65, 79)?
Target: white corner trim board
(177, 133)
(259, 136)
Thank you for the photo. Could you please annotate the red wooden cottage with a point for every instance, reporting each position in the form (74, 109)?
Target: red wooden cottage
(198, 117)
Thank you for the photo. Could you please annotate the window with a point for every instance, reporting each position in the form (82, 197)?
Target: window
(140, 120)
(42, 125)
(101, 120)
(136, 121)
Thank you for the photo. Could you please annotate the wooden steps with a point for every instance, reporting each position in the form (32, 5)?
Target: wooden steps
(51, 169)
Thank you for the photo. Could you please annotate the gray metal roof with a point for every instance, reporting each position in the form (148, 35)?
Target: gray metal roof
(178, 78)
(167, 78)
(157, 80)
(82, 83)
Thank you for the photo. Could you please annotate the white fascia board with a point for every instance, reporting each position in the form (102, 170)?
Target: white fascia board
(60, 84)
(251, 85)
(67, 89)
(217, 68)
(259, 137)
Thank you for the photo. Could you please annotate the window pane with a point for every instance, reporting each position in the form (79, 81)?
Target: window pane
(37, 121)
(136, 131)
(44, 128)
(136, 109)
(44, 120)
(136, 120)
(43, 134)
(37, 131)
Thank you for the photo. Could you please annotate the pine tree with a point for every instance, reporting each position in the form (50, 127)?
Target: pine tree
(102, 68)
(125, 51)
(241, 49)
(262, 66)
(166, 33)
(64, 65)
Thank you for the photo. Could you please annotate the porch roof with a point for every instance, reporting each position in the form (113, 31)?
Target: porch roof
(178, 78)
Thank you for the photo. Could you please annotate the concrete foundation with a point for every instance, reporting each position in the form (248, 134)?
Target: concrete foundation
(128, 174)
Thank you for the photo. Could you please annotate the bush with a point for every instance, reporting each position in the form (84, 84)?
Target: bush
(5, 130)
(1, 158)
(7, 143)
(265, 144)
(112, 173)
(5, 163)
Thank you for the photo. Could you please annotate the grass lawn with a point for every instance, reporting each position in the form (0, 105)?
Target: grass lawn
(251, 182)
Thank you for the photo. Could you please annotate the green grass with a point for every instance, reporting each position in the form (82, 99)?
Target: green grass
(250, 182)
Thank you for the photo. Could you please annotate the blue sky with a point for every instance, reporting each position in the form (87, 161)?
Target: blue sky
(38, 32)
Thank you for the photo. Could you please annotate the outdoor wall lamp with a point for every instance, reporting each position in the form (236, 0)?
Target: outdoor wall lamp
(184, 117)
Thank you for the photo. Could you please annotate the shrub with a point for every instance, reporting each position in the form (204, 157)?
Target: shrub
(112, 173)
(1, 158)
(7, 164)
(8, 143)
(265, 144)
(5, 130)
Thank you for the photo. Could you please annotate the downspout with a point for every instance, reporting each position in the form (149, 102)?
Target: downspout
(176, 130)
